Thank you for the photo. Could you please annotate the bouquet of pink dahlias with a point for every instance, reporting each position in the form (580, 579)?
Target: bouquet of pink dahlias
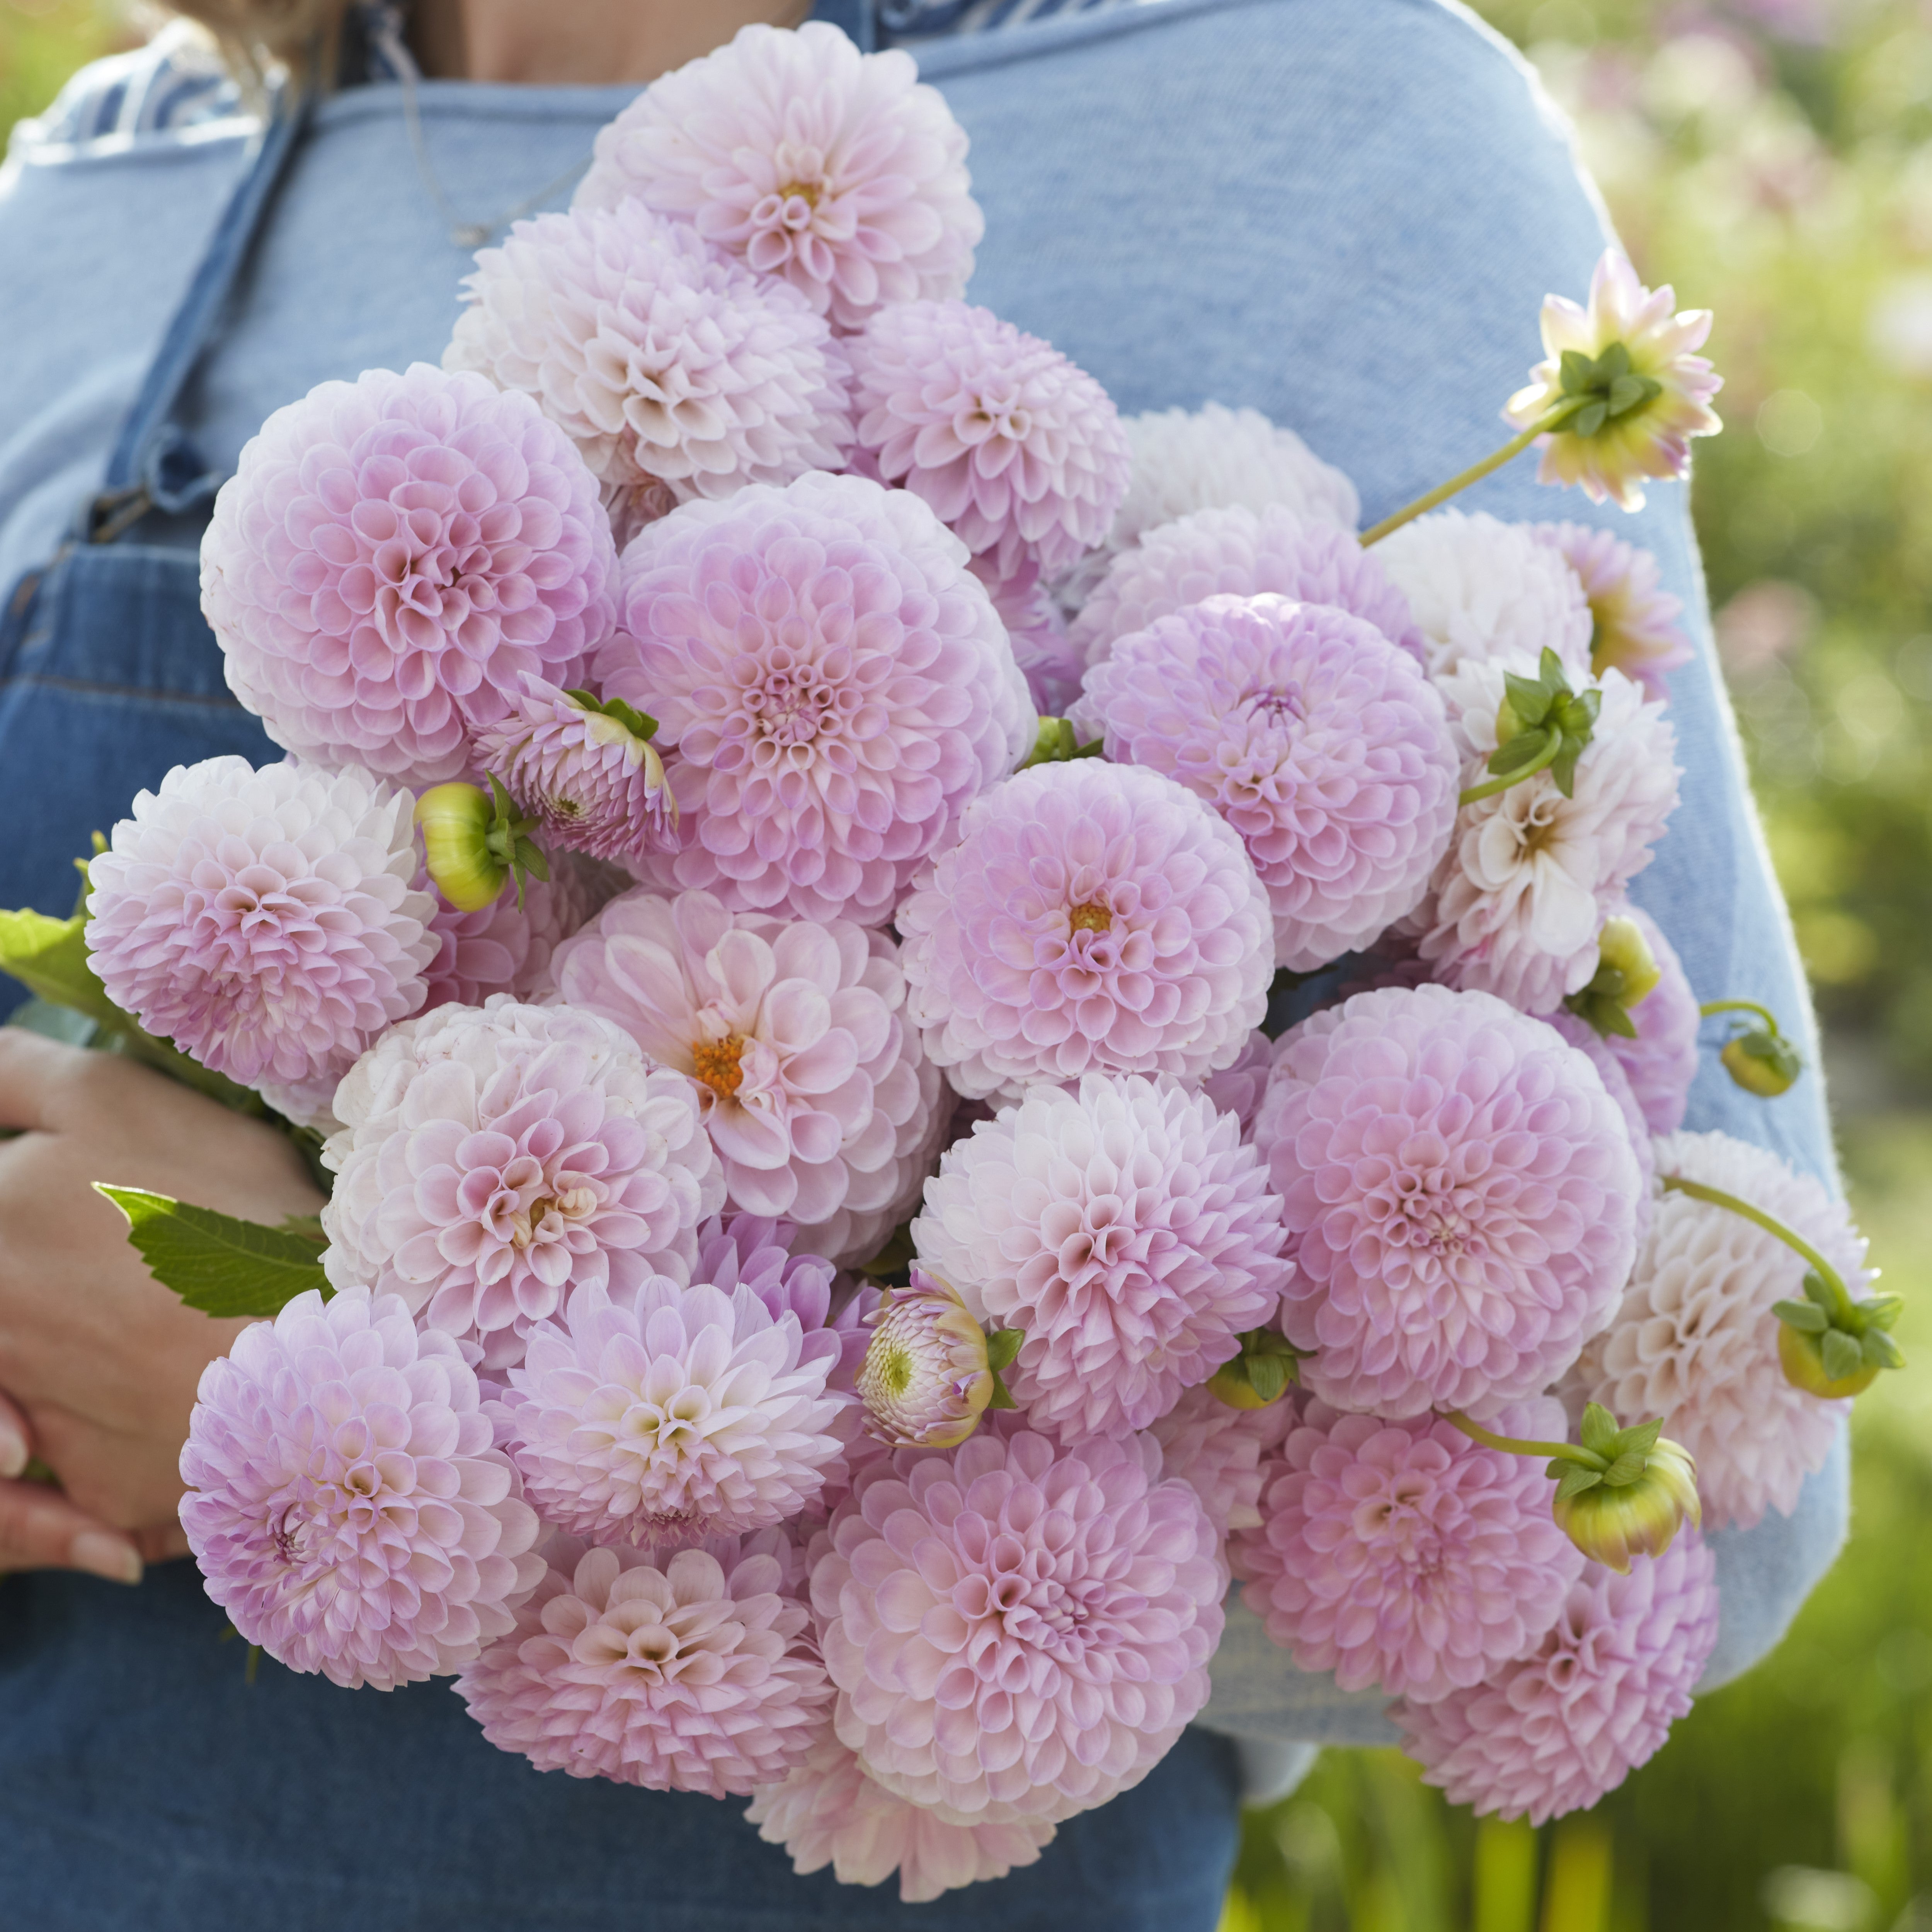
(672, 897)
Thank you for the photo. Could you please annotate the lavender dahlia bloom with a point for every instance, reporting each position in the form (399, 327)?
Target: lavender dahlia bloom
(1403, 1554)
(1693, 1339)
(1460, 1196)
(1092, 916)
(1017, 1631)
(835, 171)
(344, 1502)
(505, 947)
(1597, 1048)
(491, 1158)
(833, 689)
(1238, 552)
(265, 921)
(590, 782)
(663, 1415)
(1125, 1229)
(1037, 632)
(828, 1812)
(1556, 1730)
(1524, 889)
(663, 358)
(1318, 740)
(1633, 621)
(1481, 589)
(691, 1673)
(1019, 452)
(390, 555)
(1237, 1088)
(809, 1079)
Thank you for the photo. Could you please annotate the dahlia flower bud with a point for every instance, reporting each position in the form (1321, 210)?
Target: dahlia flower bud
(1634, 1507)
(1268, 1366)
(1760, 1059)
(1626, 974)
(584, 770)
(1829, 1344)
(1621, 394)
(461, 855)
(931, 1371)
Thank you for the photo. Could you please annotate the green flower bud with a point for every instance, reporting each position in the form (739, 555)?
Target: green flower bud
(1762, 1062)
(1633, 1508)
(1260, 1374)
(1627, 974)
(931, 1371)
(1831, 1346)
(456, 820)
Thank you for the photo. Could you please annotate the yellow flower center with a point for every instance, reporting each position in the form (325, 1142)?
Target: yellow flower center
(1094, 915)
(715, 1063)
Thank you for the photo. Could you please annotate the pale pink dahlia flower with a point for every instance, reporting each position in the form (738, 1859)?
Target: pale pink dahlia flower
(1554, 1731)
(1092, 916)
(1125, 1227)
(664, 1414)
(1662, 1060)
(1222, 1453)
(344, 1502)
(833, 689)
(1652, 440)
(1483, 589)
(1037, 631)
(1019, 452)
(1237, 1088)
(1693, 1339)
(828, 1812)
(1530, 876)
(1238, 552)
(833, 170)
(1633, 621)
(1318, 740)
(391, 554)
(492, 1157)
(809, 1079)
(1461, 1199)
(592, 784)
(506, 948)
(664, 359)
(1017, 1631)
(1597, 1048)
(265, 921)
(691, 1673)
(1404, 1555)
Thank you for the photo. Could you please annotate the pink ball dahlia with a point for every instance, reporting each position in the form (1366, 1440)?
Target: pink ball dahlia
(1037, 632)
(693, 1672)
(1662, 1060)
(1238, 552)
(665, 1415)
(1128, 1232)
(505, 948)
(662, 358)
(1521, 893)
(1693, 1339)
(1320, 742)
(1237, 1089)
(1554, 1731)
(1017, 1631)
(592, 783)
(833, 689)
(1092, 916)
(344, 1502)
(1019, 452)
(1634, 626)
(264, 921)
(1597, 1048)
(828, 1812)
(391, 554)
(809, 1078)
(1403, 1554)
(833, 170)
(1460, 1196)
(492, 1157)
(1222, 1453)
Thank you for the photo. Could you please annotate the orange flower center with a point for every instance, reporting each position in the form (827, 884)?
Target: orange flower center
(1094, 916)
(715, 1063)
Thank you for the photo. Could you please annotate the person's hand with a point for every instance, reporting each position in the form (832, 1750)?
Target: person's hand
(100, 1361)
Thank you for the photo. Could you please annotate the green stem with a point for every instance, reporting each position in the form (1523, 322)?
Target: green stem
(1542, 761)
(1710, 1008)
(1570, 1452)
(1797, 1244)
(1463, 479)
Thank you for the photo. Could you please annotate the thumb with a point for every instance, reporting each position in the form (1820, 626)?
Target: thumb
(40, 1529)
(31, 1066)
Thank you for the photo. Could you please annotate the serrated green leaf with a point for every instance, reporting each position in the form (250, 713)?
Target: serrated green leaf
(1572, 1479)
(1842, 1355)
(1599, 1428)
(1805, 1316)
(214, 1262)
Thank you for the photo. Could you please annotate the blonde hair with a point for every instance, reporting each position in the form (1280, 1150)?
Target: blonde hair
(256, 36)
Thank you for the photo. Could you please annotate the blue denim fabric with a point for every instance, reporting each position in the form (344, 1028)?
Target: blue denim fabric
(1345, 212)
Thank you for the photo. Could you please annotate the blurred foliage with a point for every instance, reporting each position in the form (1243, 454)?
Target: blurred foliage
(43, 41)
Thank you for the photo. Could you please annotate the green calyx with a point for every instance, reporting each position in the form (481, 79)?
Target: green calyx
(1541, 725)
(1616, 1457)
(1760, 1059)
(640, 724)
(1055, 742)
(474, 843)
(1260, 1373)
(1598, 391)
(1626, 974)
(1003, 1347)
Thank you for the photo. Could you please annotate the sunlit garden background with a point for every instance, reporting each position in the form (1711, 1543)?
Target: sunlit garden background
(1773, 159)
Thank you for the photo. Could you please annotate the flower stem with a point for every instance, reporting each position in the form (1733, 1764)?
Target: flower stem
(1490, 787)
(1462, 480)
(1570, 1452)
(1718, 1197)
(1710, 1008)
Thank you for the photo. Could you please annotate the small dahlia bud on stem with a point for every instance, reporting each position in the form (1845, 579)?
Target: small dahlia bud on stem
(1620, 1492)
(1626, 976)
(931, 1371)
(1541, 724)
(1760, 1059)
(1260, 1373)
(474, 843)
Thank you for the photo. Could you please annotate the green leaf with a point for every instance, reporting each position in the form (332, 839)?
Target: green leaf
(1572, 1478)
(1599, 1429)
(1842, 1355)
(1002, 1396)
(215, 1263)
(1002, 1345)
(1881, 1311)
(1563, 766)
(639, 724)
(1626, 1469)
(49, 957)
(1640, 1436)
(1525, 749)
(1577, 372)
(1805, 1316)
(1267, 1375)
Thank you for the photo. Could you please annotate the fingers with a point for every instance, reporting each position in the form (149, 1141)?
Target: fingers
(40, 1529)
(15, 1445)
(30, 1066)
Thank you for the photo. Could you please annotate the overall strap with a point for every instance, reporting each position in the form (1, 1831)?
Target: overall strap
(857, 16)
(154, 465)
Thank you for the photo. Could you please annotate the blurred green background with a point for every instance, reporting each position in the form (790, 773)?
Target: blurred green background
(1773, 159)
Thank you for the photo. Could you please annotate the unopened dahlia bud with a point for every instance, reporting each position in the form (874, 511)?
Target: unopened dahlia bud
(1635, 1507)
(931, 1372)
(1829, 1344)
(1262, 1373)
(472, 844)
(584, 770)
(1762, 1063)
(1626, 974)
